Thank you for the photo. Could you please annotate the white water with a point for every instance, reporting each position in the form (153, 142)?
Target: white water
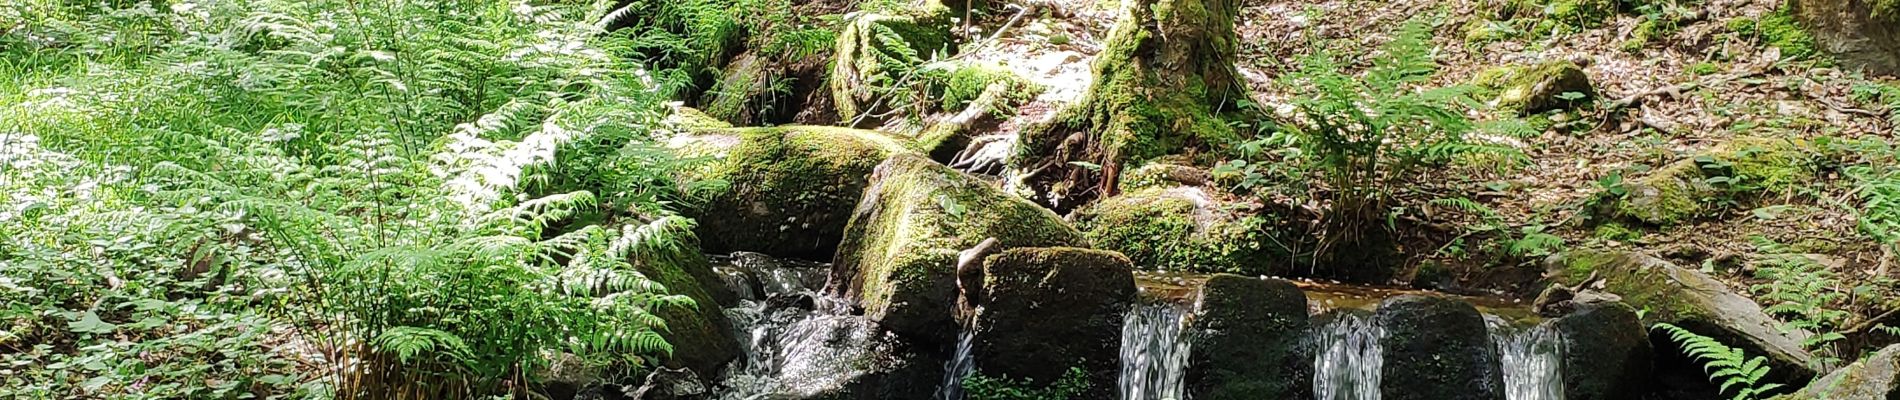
(1348, 361)
(1532, 359)
(790, 350)
(1154, 353)
(960, 365)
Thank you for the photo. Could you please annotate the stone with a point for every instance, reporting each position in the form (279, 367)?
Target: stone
(1436, 348)
(1543, 87)
(701, 335)
(1187, 228)
(865, 56)
(1861, 34)
(898, 258)
(1607, 355)
(1677, 192)
(1689, 299)
(1045, 311)
(1250, 341)
(789, 189)
(672, 384)
(1875, 378)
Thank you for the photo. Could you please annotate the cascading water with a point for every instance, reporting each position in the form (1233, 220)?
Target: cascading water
(960, 365)
(1532, 360)
(1348, 361)
(1154, 353)
(795, 342)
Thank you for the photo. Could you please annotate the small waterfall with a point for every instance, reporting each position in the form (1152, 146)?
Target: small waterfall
(1348, 362)
(960, 365)
(796, 342)
(1154, 353)
(1532, 359)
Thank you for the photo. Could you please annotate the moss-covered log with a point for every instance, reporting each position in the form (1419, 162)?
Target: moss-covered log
(1163, 76)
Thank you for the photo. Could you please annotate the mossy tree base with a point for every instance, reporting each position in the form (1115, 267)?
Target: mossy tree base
(1164, 75)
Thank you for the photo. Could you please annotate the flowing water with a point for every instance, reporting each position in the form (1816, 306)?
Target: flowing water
(1532, 361)
(960, 365)
(1346, 366)
(796, 342)
(1154, 353)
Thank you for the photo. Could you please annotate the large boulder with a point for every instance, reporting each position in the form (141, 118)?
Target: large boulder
(899, 254)
(1249, 343)
(1537, 88)
(1874, 378)
(1682, 190)
(790, 189)
(1436, 348)
(1863, 34)
(1044, 311)
(1689, 299)
(1185, 228)
(701, 335)
(1607, 355)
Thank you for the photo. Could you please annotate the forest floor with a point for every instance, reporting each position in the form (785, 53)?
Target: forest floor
(1699, 85)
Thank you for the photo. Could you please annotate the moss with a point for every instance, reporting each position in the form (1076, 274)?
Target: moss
(899, 250)
(1166, 228)
(869, 63)
(1542, 87)
(1482, 31)
(961, 84)
(1616, 231)
(1705, 68)
(701, 336)
(1162, 175)
(790, 189)
(1580, 13)
(692, 118)
(1777, 29)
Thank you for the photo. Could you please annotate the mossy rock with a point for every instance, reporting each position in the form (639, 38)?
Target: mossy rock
(701, 335)
(1538, 88)
(875, 49)
(1607, 355)
(1684, 190)
(1046, 310)
(1163, 175)
(693, 119)
(898, 257)
(1689, 299)
(1874, 378)
(1250, 341)
(1164, 71)
(790, 189)
(1436, 348)
(1184, 228)
(1862, 34)
(744, 90)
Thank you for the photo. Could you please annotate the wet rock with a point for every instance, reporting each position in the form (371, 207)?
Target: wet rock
(1862, 34)
(701, 336)
(672, 384)
(1249, 342)
(1874, 378)
(899, 254)
(1185, 228)
(790, 189)
(1689, 299)
(1544, 87)
(1436, 349)
(1047, 310)
(1607, 355)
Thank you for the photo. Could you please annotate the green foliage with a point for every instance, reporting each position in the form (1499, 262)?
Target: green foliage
(323, 198)
(954, 85)
(1802, 292)
(686, 41)
(1777, 29)
(1367, 134)
(1731, 367)
(1071, 386)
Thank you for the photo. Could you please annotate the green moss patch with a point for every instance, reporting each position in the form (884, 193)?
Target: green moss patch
(791, 189)
(1710, 182)
(1183, 228)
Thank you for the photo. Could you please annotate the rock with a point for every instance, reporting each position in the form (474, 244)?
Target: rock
(755, 89)
(1539, 88)
(1874, 378)
(1436, 349)
(898, 257)
(1607, 355)
(1692, 300)
(790, 188)
(1862, 34)
(848, 357)
(1185, 228)
(1250, 341)
(567, 376)
(672, 384)
(1677, 192)
(1047, 310)
(865, 57)
(693, 119)
(1163, 175)
(701, 336)
(1164, 74)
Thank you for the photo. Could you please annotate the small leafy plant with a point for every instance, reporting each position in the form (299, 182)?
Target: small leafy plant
(1731, 367)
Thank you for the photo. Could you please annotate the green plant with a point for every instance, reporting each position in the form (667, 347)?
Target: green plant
(1802, 292)
(1072, 385)
(1736, 372)
(1367, 134)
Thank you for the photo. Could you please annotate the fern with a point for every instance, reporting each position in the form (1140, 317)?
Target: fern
(1730, 367)
(1801, 292)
